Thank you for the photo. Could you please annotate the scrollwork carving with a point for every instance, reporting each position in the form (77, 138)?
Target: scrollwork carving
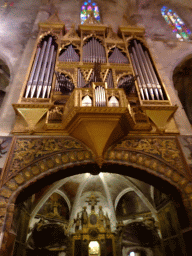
(28, 150)
(162, 148)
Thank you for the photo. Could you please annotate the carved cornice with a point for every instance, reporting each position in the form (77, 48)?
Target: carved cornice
(131, 30)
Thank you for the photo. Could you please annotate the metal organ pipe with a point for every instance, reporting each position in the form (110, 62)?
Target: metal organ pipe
(144, 70)
(40, 80)
(138, 79)
(99, 96)
(36, 76)
(29, 83)
(96, 97)
(93, 51)
(100, 99)
(69, 55)
(98, 53)
(88, 52)
(140, 73)
(78, 79)
(143, 67)
(51, 73)
(103, 54)
(43, 68)
(49, 65)
(154, 75)
(149, 72)
(81, 81)
(45, 83)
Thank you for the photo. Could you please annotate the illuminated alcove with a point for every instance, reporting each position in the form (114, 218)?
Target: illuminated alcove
(94, 248)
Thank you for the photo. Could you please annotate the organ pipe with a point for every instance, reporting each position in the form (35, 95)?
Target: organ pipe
(147, 78)
(138, 79)
(39, 83)
(140, 74)
(51, 74)
(100, 99)
(118, 57)
(148, 72)
(154, 75)
(36, 76)
(32, 73)
(144, 71)
(45, 83)
(93, 51)
(44, 64)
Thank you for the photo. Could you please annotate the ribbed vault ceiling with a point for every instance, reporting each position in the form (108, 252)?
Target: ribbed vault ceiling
(112, 191)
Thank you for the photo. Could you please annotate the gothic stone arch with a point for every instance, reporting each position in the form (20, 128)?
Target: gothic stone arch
(31, 159)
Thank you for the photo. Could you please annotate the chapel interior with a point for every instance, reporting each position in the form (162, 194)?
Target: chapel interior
(95, 128)
(132, 228)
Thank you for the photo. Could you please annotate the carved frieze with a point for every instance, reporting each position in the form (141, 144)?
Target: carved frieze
(165, 149)
(26, 151)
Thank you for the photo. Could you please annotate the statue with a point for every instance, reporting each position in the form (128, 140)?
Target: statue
(77, 222)
(119, 227)
(101, 215)
(124, 208)
(107, 222)
(84, 216)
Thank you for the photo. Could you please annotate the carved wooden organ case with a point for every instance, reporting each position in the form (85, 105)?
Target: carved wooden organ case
(93, 74)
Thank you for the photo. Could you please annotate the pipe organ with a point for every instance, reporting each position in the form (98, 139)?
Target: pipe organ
(100, 100)
(147, 78)
(69, 55)
(93, 74)
(94, 51)
(41, 75)
(117, 57)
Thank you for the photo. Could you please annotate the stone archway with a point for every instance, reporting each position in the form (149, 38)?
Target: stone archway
(160, 157)
(182, 81)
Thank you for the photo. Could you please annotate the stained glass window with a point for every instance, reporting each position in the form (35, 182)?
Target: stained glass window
(87, 8)
(176, 23)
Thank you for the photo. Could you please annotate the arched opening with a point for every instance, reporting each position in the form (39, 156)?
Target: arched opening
(4, 79)
(94, 248)
(105, 207)
(182, 75)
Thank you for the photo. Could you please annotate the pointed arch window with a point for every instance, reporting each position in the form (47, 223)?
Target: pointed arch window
(176, 23)
(88, 7)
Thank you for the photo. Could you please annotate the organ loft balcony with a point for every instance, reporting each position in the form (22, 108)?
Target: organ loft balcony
(98, 116)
